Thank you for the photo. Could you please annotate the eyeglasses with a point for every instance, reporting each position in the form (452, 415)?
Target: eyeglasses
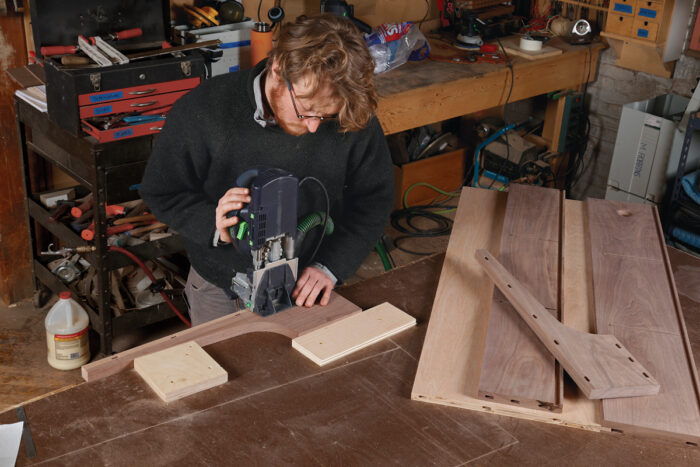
(302, 117)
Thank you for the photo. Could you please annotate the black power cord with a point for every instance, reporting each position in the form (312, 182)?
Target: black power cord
(503, 164)
(402, 220)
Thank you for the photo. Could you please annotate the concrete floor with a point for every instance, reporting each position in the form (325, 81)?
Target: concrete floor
(25, 373)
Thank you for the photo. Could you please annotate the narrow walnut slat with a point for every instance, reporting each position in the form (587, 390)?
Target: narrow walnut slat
(599, 364)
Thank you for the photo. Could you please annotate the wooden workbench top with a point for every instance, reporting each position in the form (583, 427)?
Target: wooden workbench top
(429, 91)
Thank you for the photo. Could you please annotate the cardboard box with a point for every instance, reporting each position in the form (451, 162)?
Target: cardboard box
(444, 171)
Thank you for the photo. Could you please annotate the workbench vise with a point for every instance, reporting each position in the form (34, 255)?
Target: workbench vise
(266, 229)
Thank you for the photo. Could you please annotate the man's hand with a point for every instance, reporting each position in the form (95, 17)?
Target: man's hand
(312, 282)
(232, 200)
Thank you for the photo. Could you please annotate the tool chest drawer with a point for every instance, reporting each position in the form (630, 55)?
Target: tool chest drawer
(619, 24)
(109, 99)
(124, 132)
(644, 29)
(622, 7)
(650, 11)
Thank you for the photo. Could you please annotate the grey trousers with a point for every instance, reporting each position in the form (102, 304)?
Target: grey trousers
(206, 301)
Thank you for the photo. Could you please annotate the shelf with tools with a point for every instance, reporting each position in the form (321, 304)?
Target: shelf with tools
(681, 213)
(108, 173)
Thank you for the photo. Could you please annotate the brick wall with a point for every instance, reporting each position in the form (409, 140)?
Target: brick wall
(613, 88)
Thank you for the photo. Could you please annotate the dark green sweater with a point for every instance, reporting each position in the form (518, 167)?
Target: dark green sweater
(210, 138)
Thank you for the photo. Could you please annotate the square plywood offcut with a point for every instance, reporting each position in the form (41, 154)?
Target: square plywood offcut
(352, 333)
(180, 371)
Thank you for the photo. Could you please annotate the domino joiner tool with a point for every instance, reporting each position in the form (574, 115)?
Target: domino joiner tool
(267, 228)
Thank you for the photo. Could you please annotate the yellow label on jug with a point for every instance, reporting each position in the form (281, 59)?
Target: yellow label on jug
(69, 346)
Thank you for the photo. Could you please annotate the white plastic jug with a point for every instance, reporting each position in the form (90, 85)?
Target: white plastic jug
(67, 334)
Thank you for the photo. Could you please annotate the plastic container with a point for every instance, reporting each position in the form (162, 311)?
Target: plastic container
(67, 334)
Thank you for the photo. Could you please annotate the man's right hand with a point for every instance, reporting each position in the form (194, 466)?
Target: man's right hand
(232, 200)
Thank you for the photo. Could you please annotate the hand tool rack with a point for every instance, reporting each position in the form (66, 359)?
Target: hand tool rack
(107, 170)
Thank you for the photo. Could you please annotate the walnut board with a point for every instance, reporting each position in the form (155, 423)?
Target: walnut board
(450, 361)
(345, 336)
(636, 301)
(180, 371)
(290, 323)
(512, 46)
(517, 368)
(598, 363)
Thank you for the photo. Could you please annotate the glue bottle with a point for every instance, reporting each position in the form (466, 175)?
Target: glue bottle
(67, 334)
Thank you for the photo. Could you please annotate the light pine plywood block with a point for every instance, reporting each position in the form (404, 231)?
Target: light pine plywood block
(343, 337)
(180, 371)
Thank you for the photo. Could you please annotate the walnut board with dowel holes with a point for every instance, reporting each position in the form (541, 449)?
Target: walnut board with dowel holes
(517, 368)
(636, 301)
(352, 333)
(180, 371)
(599, 364)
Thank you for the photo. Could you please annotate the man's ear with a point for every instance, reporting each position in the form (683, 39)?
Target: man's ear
(276, 71)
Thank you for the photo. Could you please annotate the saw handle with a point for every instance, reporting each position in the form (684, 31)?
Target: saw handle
(128, 33)
(58, 50)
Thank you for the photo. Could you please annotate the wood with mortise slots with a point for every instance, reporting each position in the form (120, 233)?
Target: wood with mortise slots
(599, 364)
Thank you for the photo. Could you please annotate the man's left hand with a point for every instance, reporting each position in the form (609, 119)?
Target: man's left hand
(312, 282)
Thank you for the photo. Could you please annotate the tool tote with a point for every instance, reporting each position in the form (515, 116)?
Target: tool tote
(94, 99)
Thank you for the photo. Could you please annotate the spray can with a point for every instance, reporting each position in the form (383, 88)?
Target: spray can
(67, 334)
(260, 42)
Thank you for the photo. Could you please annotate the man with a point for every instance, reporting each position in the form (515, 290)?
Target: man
(308, 109)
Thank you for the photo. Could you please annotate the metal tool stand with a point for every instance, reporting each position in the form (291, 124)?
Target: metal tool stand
(674, 198)
(107, 170)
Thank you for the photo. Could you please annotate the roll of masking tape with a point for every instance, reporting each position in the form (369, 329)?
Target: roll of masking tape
(530, 45)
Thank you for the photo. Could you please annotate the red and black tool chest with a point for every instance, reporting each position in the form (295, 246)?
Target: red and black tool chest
(87, 98)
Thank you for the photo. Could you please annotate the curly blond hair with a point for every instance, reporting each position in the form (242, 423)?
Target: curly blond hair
(333, 52)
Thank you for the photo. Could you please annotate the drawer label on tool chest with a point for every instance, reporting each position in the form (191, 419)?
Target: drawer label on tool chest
(622, 8)
(103, 109)
(123, 133)
(107, 96)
